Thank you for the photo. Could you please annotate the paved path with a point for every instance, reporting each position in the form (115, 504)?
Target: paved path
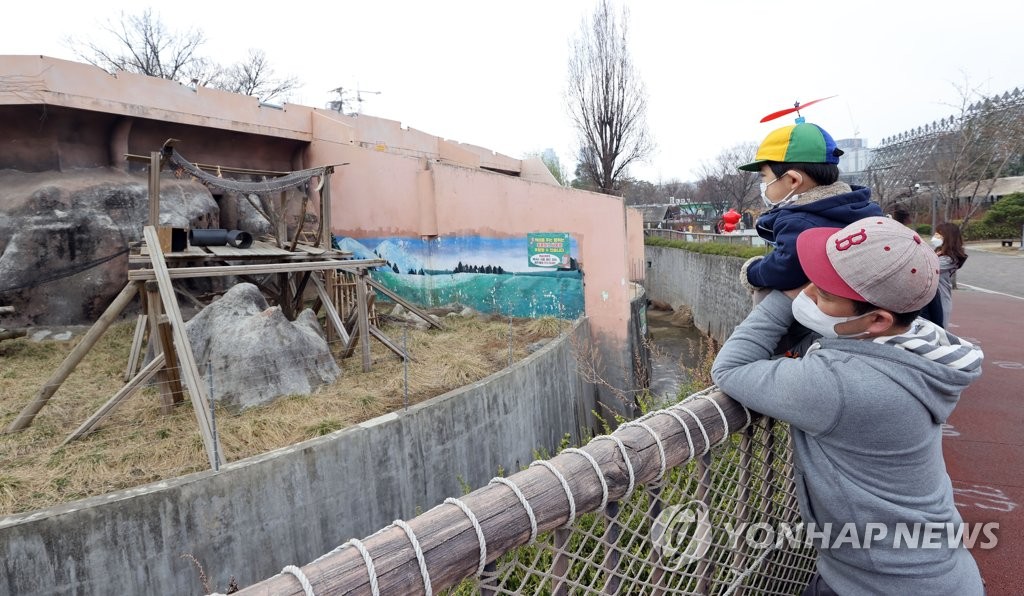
(993, 268)
(984, 443)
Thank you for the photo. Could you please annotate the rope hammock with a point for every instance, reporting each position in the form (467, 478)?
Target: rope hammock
(290, 180)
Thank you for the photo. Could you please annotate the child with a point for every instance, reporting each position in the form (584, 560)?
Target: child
(799, 186)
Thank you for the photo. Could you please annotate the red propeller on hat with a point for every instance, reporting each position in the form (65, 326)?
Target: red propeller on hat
(796, 108)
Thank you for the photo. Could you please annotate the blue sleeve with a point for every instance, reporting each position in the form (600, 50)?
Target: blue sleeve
(780, 269)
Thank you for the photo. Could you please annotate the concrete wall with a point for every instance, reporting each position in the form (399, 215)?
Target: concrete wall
(708, 284)
(289, 506)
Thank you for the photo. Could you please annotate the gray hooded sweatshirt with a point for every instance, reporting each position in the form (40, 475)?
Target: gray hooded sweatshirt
(866, 418)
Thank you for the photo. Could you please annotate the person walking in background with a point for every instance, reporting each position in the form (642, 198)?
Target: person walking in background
(933, 310)
(949, 245)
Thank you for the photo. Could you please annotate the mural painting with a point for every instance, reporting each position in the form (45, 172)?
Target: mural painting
(534, 275)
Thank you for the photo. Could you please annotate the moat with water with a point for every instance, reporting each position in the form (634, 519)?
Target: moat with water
(676, 346)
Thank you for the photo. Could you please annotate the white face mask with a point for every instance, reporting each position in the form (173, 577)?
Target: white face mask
(936, 241)
(807, 313)
(789, 198)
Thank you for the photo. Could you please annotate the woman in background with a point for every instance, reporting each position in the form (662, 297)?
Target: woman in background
(949, 245)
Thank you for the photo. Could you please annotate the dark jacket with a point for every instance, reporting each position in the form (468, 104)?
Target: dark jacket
(780, 226)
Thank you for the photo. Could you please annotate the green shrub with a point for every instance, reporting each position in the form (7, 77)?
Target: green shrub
(923, 229)
(709, 248)
(1005, 217)
(982, 230)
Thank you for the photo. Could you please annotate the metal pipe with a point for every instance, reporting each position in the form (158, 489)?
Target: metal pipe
(220, 237)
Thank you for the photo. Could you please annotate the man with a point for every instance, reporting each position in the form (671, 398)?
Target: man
(865, 403)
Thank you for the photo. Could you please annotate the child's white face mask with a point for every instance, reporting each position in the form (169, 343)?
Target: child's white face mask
(807, 313)
(936, 241)
(789, 198)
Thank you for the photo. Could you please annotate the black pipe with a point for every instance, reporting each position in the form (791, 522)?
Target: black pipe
(219, 237)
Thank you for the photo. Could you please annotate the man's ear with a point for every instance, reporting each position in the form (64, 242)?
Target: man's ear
(880, 322)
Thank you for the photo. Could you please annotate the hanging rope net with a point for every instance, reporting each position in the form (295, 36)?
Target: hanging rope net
(290, 180)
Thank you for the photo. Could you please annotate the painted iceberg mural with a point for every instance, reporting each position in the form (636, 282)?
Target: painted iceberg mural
(491, 275)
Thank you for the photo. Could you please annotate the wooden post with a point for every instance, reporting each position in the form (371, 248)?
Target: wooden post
(560, 563)
(169, 379)
(127, 391)
(136, 349)
(705, 567)
(325, 235)
(376, 285)
(196, 388)
(282, 220)
(284, 299)
(610, 538)
(155, 165)
(654, 558)
(95, 332)
(332, 313)
(740, 557)
(364, 318)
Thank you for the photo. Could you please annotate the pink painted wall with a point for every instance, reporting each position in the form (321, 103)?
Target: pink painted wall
(398, 181)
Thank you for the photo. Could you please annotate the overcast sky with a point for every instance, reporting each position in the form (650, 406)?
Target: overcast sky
(493, 72)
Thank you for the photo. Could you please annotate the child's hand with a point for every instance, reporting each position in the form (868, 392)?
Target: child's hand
(795, 291)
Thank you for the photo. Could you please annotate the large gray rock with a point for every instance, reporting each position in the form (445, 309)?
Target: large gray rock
(237, 213)
(254, 353)
(64, 237)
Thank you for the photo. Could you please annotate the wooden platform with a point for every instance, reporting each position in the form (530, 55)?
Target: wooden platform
(258, 251)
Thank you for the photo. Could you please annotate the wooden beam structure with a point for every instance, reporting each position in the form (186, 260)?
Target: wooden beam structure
(353, 265)
(189, 372)
(28, 413)
(136, 383)
(155, 269)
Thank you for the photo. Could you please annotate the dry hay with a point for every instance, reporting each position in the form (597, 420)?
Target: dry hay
(138, 444)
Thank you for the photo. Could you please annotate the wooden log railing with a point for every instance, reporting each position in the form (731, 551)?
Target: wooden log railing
(448, 541)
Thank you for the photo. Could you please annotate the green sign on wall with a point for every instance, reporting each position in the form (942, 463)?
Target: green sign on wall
(549, 250)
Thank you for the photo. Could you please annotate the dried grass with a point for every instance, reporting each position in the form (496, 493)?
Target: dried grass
(138, 444)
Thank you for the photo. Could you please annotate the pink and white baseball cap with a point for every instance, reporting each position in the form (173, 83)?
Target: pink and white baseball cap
(876, 260)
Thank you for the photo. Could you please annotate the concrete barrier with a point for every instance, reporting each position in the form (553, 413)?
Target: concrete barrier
(291, 505)
(708, 284)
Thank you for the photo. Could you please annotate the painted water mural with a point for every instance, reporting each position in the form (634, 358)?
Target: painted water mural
(491, 275)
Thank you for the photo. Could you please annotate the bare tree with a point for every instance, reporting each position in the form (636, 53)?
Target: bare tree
(255, 77)
(142, 44)
(724, 185)
(950, 166)
(989, 138)
(607, 100)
